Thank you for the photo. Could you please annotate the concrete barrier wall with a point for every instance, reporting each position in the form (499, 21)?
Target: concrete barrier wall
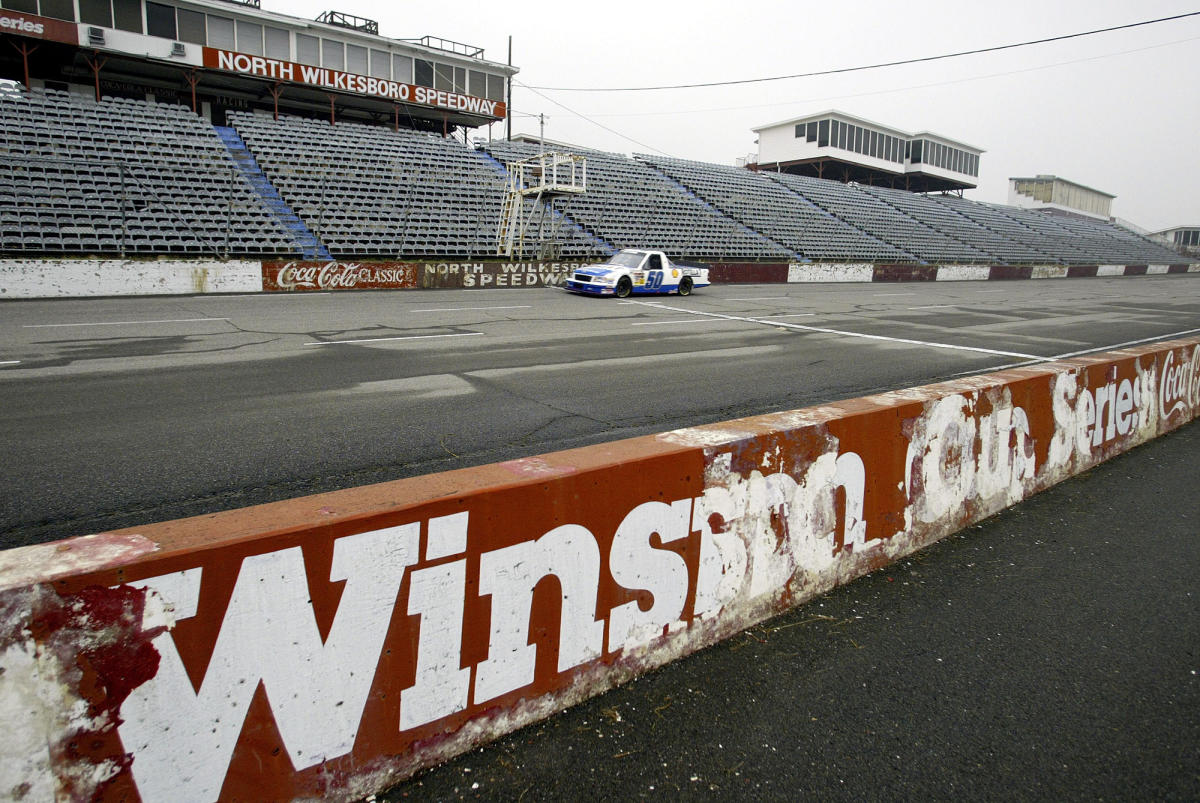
(74, 278)
(64, 278)
(328, 646)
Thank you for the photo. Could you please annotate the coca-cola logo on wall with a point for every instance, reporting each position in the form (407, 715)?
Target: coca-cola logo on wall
(1179, 383)
(299, 276)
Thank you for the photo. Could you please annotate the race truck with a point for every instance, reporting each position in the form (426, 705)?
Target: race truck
(634, 270)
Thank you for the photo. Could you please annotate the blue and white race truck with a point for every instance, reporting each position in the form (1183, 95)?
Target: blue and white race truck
(637, 271)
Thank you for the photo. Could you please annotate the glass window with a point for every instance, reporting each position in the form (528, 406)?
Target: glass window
(191, 26)
(279, 44)
(307, 49)
(799, 130)
(250, 38)
(127, 15)
(333, 54)
(917, 147)
(495, 87)
(402, 67)
(443, 77)
(460, 79)
(423, 72)
(24, 6)
(811, 134)
(160, 20)
(55, 9)
(822, 133)
(858, 134)
(356, 59)
(477, 84)
(220, 32)
(834, 130)
(381, 64)
(873, 149)
(96, 12)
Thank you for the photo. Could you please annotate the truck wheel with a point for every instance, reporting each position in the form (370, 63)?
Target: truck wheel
(685, 286)
(624, 287)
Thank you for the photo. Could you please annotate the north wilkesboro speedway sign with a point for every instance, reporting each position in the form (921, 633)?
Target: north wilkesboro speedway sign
(301, 276)
(325, 78)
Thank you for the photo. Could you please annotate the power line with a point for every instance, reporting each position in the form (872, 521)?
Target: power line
(590, 120)
(866, 66)
(894, 90)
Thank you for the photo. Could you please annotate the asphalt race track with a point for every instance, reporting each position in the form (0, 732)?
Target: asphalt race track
(120, 412)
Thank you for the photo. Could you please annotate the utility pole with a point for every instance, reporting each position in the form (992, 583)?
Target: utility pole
(508, 106)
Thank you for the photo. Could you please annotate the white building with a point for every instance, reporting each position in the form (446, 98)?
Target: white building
(1058, 194)
(1184, 239)
(838, 146)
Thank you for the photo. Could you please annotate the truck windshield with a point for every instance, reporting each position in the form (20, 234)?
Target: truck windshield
(626, 259)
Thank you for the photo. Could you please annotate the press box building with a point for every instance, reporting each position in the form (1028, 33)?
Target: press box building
(218, 56)
(835, 145)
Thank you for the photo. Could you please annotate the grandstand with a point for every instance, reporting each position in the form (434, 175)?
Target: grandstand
(123, 177)
(628, 204)
(129, 177)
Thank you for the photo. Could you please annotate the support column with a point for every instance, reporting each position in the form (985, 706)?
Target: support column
(192, 79)
(276, 90)
(96, 61)
(25, 49)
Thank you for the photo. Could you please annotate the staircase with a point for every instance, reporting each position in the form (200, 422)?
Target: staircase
(310, 247)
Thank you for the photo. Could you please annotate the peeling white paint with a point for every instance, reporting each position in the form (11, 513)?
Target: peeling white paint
(820, 272)
(963, 273)
(43, 703)
(23, 566)
(73, 278)
(1050, 272)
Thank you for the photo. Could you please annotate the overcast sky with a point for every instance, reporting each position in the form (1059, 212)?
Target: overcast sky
(1119, 111)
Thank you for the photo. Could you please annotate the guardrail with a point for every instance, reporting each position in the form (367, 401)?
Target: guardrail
(329, 646)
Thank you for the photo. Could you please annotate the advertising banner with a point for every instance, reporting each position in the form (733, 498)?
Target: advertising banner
(38, 27)
(328, 646)
(301, 276)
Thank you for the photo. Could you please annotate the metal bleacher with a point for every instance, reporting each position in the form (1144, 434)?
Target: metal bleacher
(629, 204)
(372, 191)
(773, 210)
(127, 177)
(1074, 240)
(120, 177)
